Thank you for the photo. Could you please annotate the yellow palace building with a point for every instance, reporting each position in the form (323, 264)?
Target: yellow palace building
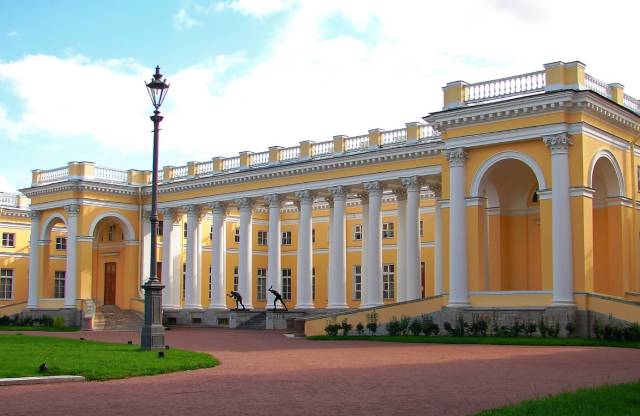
(520, 197)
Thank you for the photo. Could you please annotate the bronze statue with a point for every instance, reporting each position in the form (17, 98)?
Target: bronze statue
(238, 298)
(278, 297)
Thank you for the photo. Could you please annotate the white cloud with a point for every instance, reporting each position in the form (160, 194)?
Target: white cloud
(5, 185)
(316, 81)
(12, 34)
(182, 20)
(260, 8)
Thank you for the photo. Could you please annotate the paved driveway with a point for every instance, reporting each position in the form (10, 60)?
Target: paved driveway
(265, 373)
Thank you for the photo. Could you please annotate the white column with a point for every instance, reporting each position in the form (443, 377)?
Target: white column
(401, 244)
(34, 261)
(71, 280)
(414, 278)
(374, 245)
(145, 251)
(561, 220)
(337, 253)
(218, 256)
(364, 251)
(192, 299)
(274, 247)
(169, 278)
(438, 242)
(245, 286)
(176, 250)
(458, 263)
(305, 251)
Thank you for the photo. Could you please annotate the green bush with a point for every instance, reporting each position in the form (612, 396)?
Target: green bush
(372, 322)
(479, 325)
(393, 327)
(58, 322)
(530, 328)
(517, 328)
(360, 328)
(632, 332)
(415, 327)
(345, 326)
(404, 323)
(570, 327)
(428, 326)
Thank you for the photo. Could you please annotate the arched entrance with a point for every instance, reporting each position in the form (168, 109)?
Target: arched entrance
(510, 235)
(114, 277)
(53, 260)
(608, 262)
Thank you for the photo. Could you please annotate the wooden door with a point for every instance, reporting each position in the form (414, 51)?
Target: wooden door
(110, 283)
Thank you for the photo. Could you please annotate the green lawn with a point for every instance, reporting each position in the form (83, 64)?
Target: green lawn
(39, 328)
(623, 399)
(580, 342)
(23, 354)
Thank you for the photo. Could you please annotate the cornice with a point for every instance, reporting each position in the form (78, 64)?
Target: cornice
(80, 185)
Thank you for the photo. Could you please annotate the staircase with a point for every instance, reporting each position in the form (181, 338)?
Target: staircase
(259, 321)
(112, 318)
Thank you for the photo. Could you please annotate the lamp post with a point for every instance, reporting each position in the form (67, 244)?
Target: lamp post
(152, 336)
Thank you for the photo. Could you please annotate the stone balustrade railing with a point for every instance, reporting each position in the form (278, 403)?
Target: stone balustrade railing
(505, 87)
(13, 200)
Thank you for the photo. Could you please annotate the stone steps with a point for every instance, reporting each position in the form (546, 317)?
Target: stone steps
(257, 322)
(112, 318)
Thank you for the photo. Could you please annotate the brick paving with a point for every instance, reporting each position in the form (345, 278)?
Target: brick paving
(265, 373)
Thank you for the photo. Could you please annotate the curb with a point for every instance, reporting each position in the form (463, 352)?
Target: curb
(39, 380)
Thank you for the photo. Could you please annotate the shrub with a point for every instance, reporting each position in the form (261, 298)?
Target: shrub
(346, 327)
(415, 327)
(360, 328)
(554, 330)
(613, 332)
(28, 321)
(455, 331)
(372, 322)
(543, 327)
(5, 320)
(530, 328)
(58, 322)
(517, 328)
(428, 327)
(632, 332)
(598, 330)
(479, 325)
(332, 329)
(393, 327)
(570, 327)
(404, 324)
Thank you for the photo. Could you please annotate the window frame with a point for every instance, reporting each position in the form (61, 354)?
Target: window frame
(59, 283)
(388, 229)
(61, 243)
(388, 281)
(263, 238)
(286, 238)
(261, 279)
(7, 276)
(357, 232)
(356, 277)
(236, 278)
(8, 240)
(236, 235)
(286, 283)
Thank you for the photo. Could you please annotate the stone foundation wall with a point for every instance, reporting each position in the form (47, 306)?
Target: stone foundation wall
(72, 317)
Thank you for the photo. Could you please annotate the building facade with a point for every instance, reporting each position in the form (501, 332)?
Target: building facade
(522, 192)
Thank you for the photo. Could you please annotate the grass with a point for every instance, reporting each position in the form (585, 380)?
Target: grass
(623, 399)
(23, 354)
(574, 342)
(39, 328)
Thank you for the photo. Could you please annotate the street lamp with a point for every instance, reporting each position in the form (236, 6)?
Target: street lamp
(152, 336)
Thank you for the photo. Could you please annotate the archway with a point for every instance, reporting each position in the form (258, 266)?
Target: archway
(114, 277)
(510, 238)
(606, 181)
(53, 258)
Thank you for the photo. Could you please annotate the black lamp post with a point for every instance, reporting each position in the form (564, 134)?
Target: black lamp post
(152, 330)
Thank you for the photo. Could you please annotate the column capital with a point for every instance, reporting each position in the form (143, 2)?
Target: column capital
(72, 210)
(400, 193)
(373, 188)
(557, 143)
(338, 193)
(244, 203)
(456, 157)
(411, 184)
(273, 200)
(217, 207)
(305, 196)
(35, 215)
(194, 211)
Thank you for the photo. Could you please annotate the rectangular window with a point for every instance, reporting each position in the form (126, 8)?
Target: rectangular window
(184, 280)
(286, 238)
(236, 235)
(58, 284)
(8, 240)
(638, 179)
(235, 279)
(61, 243)
(388, 280)
(421, 228)
(357, 282)
(6, 283)
(211, 233)
(159, 227)
(184, 230)
(423, 278)
(111, 232)
(261, 293)
(262, 238)
(313, 235)
(357, 232)
(286, 284)
(313, 283)
(209, 282)
(387, 230)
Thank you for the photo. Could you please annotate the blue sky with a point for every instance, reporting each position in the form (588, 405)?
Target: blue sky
(249, 74)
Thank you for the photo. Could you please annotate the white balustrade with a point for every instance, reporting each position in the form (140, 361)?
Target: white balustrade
(180, 172)
(426, 132)
(631, 103)
(231, 163)
(53, 175)
(261, 158)
(160, 176)
(322, 148)
(8, 199)
(289, 153)
(356, 143)
(394, 136)
(594, 84)
(505, 87)
(111, 175)
(203, 168)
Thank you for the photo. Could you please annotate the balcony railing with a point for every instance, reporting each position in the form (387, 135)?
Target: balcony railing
(8, 199)
(111, 175)
(516, 85)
